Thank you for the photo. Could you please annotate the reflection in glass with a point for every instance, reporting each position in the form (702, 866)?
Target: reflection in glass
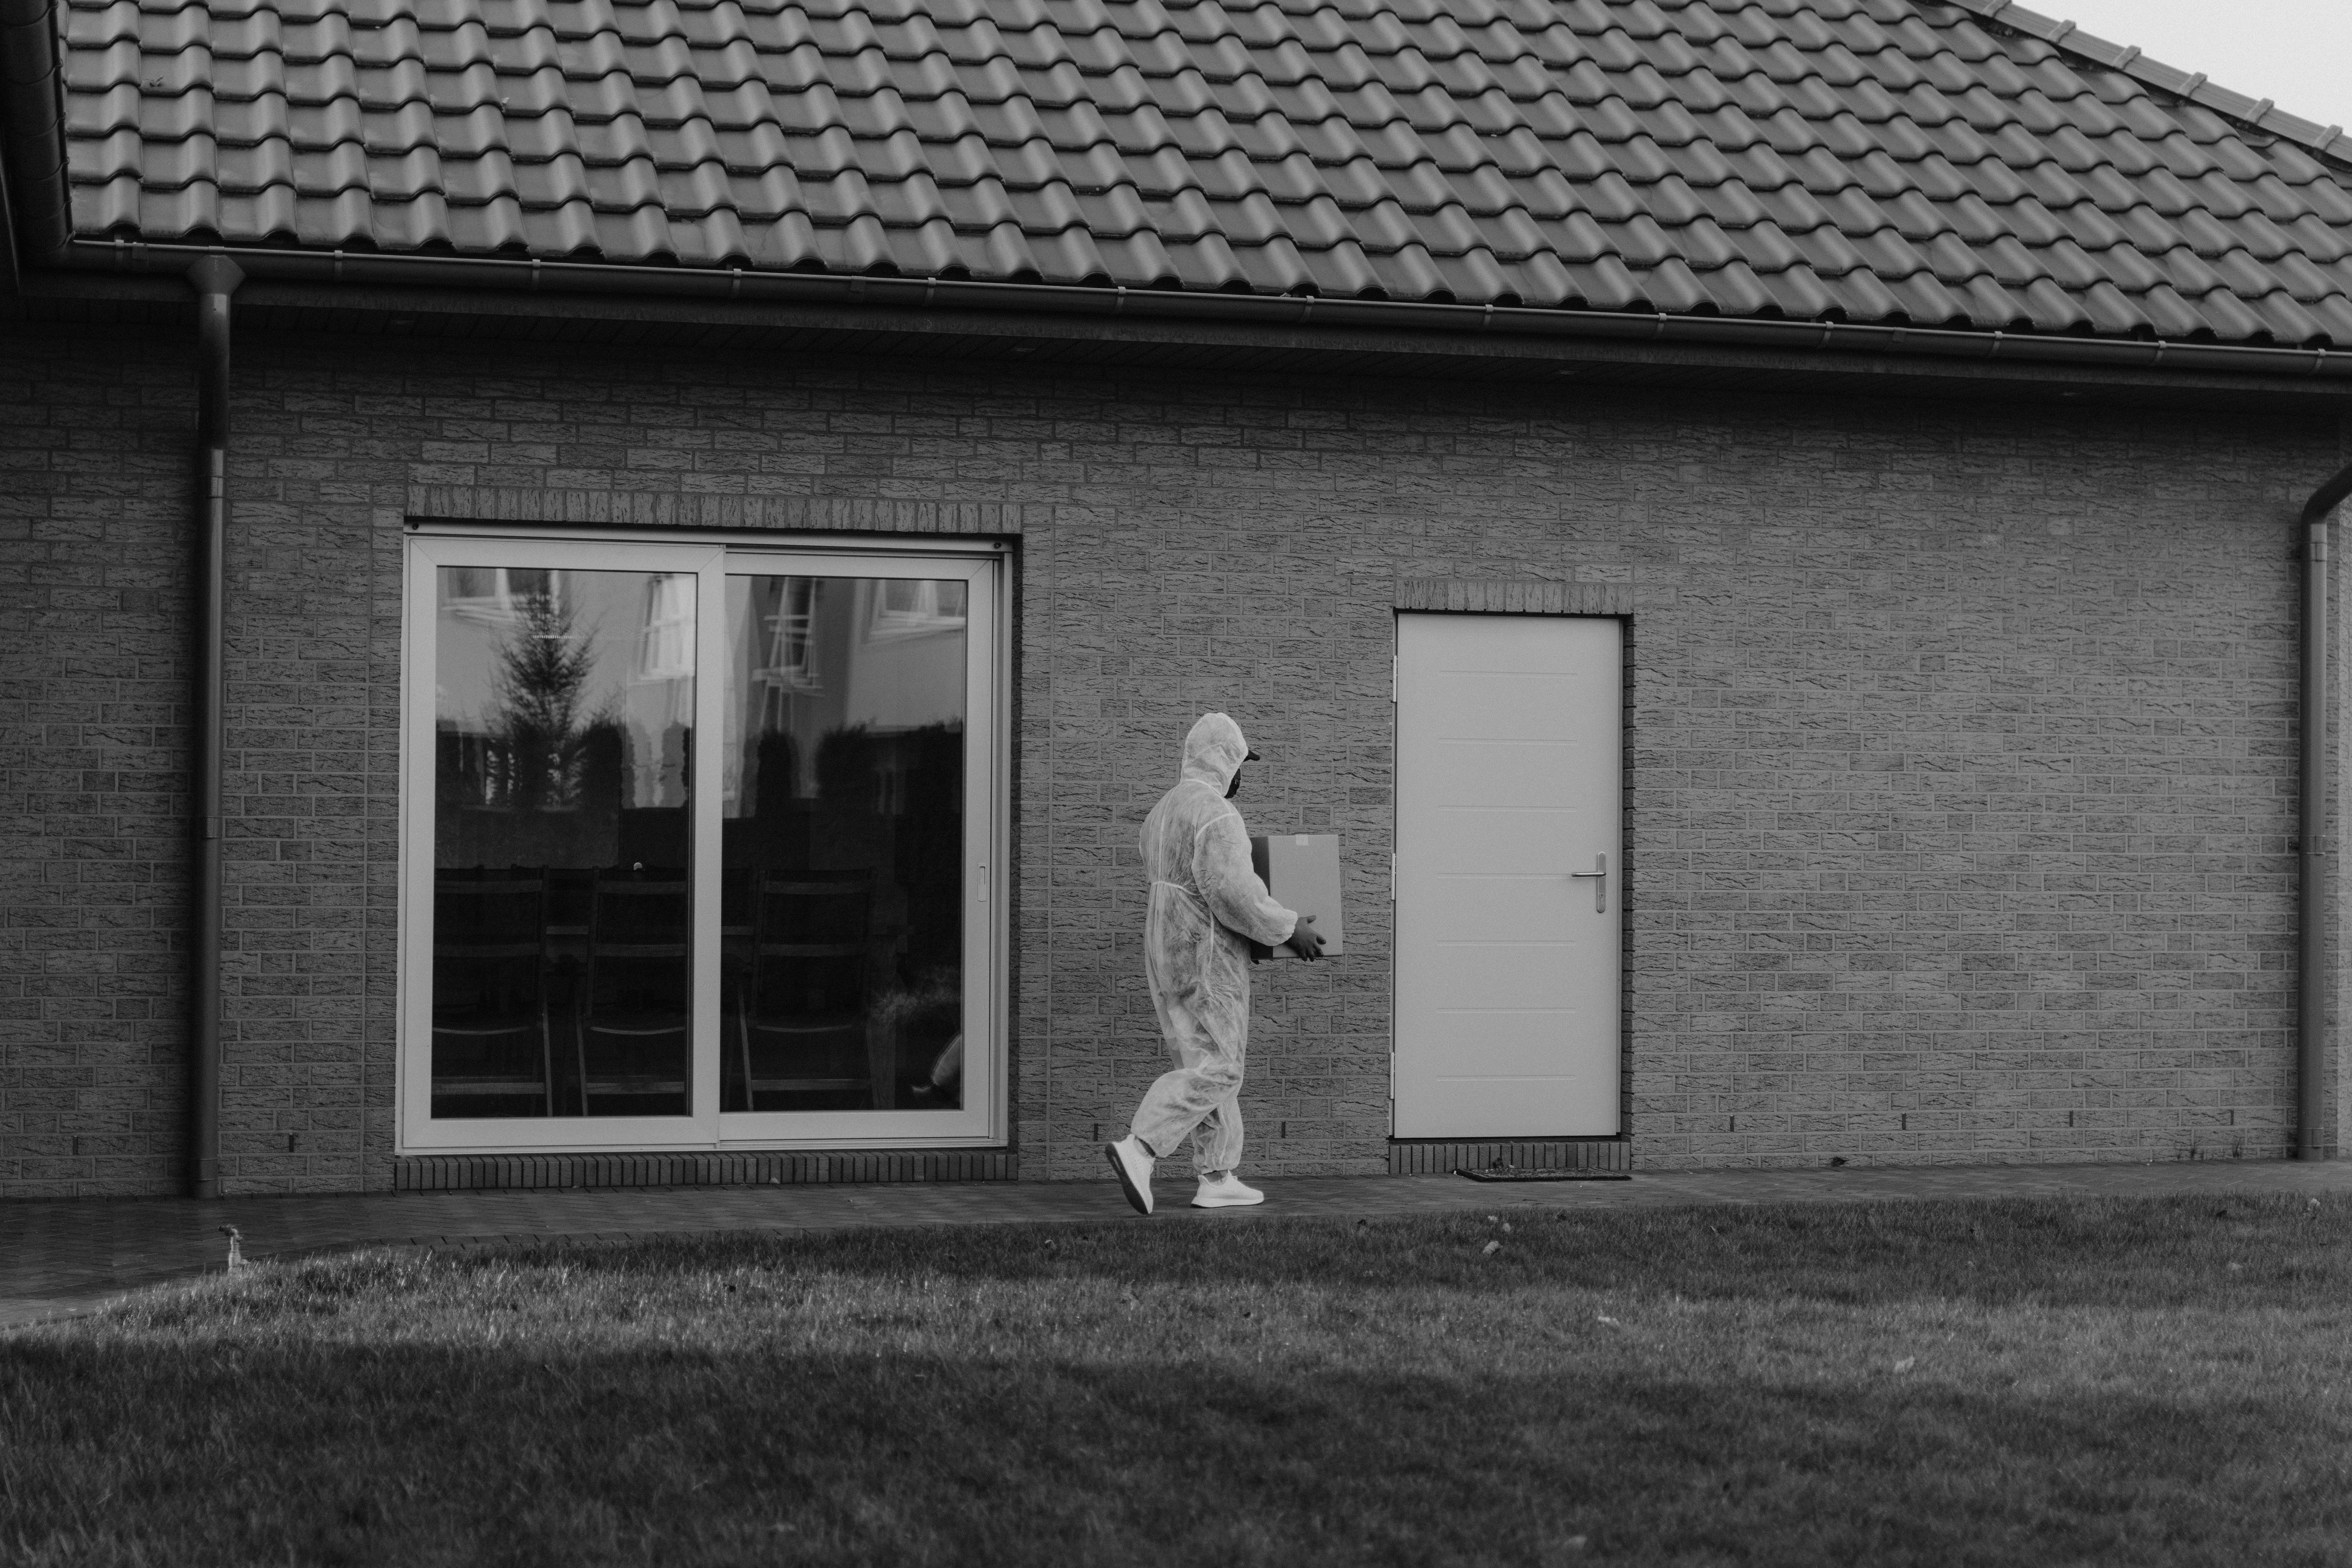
(564, 715)
(843, 844)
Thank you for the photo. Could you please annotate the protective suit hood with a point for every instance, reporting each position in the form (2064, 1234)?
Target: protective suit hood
(1214, 751)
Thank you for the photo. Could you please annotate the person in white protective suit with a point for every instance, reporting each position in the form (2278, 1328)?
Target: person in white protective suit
(1207, 907)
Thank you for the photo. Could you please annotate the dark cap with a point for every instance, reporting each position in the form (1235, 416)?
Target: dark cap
(1250, 757)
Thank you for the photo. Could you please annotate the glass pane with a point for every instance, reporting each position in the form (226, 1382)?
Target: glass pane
(844, 844)
(563, 719)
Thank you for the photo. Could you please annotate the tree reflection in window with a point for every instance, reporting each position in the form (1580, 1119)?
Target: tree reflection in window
(543, 665)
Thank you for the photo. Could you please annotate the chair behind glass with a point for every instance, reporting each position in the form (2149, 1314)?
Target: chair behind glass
(800, 1022)
(491, 1036)
(633, 1029)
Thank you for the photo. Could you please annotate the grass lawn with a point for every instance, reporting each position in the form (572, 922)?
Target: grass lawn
(2145, 1382)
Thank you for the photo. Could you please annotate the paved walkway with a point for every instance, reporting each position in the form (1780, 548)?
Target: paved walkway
(58, 1258)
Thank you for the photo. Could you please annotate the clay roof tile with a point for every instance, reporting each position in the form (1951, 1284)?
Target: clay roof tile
(1855, 160)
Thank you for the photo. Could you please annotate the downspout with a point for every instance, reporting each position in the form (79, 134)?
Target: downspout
(2314, 969)
(215, 280)
(32, 125)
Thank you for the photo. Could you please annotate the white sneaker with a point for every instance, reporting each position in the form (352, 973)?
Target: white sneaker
(1133, 1163)
(1225, 1190)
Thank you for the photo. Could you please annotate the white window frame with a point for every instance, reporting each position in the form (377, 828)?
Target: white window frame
(983, 1118)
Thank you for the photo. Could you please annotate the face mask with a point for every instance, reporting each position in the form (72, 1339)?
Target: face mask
(1235, 788)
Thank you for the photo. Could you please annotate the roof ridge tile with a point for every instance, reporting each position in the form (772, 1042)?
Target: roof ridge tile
(2131, 62)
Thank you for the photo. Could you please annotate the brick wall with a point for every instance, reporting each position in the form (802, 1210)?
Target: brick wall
(1962, 755)
(95, 553)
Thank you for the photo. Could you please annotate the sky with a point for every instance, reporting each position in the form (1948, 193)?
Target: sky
(2297, 52)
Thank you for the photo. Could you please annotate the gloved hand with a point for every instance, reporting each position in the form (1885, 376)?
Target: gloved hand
(1306, 940)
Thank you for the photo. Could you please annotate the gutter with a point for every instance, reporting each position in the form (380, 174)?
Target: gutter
(724, 287)
(215, 280)
(2313, 969)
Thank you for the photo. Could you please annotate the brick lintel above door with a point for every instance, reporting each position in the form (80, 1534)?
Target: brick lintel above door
(1515, 595)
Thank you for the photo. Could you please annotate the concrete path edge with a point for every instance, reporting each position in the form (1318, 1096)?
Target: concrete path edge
(63, 1259)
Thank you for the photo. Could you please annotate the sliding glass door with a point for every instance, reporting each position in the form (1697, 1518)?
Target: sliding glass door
(698, 847)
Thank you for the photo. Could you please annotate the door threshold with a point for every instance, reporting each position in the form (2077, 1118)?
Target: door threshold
(1543, 1173)
(1442, 1156)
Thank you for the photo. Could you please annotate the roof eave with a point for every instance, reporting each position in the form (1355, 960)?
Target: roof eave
(456, 285)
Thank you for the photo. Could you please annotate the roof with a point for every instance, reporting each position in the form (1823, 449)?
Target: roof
(1901, 161)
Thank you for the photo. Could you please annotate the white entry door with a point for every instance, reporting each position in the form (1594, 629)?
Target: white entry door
(1508, 881)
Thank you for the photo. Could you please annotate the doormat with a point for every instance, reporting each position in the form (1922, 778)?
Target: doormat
(1542, 1173)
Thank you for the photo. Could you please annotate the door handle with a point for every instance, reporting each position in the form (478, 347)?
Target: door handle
(1600, 884)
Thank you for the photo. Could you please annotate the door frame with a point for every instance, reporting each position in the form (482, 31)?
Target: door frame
(984, 1120)
(1628, 861)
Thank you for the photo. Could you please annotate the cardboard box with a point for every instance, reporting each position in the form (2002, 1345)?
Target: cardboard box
(1302, 872)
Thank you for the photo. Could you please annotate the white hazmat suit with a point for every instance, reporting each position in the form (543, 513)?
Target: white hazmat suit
(1207, 906)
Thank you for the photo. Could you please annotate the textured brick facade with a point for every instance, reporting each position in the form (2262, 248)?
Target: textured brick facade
(95, 439)
(1960, 791)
